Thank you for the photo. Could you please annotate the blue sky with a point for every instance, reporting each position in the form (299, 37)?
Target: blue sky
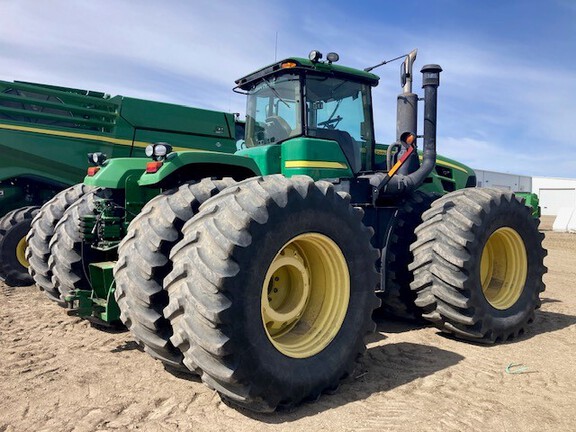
(507, 100)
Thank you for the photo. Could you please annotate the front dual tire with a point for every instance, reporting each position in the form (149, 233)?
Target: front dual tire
(272, 290)
(143, 263)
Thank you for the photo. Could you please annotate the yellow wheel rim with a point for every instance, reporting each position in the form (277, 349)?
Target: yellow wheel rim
(21, 252)
(305, 295)
(503, 268)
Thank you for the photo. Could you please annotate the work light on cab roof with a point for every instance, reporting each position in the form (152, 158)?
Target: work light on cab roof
(315, 56)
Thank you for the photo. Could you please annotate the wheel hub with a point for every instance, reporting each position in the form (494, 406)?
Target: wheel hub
(503, 268)
(288, 292)
(305, 295)
(21, 252)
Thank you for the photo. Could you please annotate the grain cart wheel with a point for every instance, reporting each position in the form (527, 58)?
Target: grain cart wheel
(41, 233)
(143, 263)
(13, 229)
(69, 254)
(272, 291)
(397, 298)
(478, 265)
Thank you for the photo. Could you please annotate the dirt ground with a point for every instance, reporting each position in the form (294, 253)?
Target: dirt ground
(58, 373)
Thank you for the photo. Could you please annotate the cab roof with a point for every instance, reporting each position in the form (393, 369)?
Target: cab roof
(297, 64)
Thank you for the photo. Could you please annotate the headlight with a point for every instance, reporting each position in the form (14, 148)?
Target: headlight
(158, 151)
(149, 150)
(97, 158)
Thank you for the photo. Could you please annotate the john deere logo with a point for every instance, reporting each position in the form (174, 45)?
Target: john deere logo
(219, 130)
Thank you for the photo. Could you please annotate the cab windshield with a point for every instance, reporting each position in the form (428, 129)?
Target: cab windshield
(273, 111)
(340, 110)
(336, 104)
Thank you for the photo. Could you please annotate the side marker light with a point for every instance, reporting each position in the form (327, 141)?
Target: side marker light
(152, 167)
(93, 170)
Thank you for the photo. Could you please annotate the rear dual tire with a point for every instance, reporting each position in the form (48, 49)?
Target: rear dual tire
(41, 233)
(478, 265)
(398, 299)
(69, 254)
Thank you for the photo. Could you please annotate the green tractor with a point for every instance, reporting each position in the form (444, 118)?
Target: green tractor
(260, 270)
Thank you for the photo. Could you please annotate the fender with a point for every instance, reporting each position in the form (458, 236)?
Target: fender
(194, 165)
(114, 173)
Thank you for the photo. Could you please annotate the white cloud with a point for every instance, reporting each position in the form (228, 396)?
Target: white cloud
(81, 43)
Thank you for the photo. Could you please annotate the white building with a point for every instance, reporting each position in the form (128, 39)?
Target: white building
(554, 193)
(511, 182)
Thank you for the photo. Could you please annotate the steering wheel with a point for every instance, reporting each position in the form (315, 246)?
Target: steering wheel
(277, 128)
(331, 123)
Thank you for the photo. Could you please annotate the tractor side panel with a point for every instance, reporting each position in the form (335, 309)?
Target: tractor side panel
(267, 158)
(313, 157)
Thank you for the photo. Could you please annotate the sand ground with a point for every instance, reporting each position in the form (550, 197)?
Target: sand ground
(59, 373)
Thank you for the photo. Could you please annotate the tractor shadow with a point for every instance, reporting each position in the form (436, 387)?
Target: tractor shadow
(128, 346)
(381, 369)
(546, 300)
(387, 366)
(111, 328)
(387, 324)
(544, 322)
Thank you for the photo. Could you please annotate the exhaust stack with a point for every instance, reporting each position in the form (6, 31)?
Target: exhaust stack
(407, 111)
(430, 83)
(385, 185)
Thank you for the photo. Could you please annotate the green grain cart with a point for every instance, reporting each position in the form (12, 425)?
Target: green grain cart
(46, 133)
(260, 270)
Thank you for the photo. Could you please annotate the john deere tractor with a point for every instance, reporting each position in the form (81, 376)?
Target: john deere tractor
(260, 270)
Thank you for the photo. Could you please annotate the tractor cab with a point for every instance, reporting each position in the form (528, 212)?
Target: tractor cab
(321, 113)
(315, 101)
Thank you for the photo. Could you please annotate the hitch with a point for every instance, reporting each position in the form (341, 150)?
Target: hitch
(79, 303)
(97, 305)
